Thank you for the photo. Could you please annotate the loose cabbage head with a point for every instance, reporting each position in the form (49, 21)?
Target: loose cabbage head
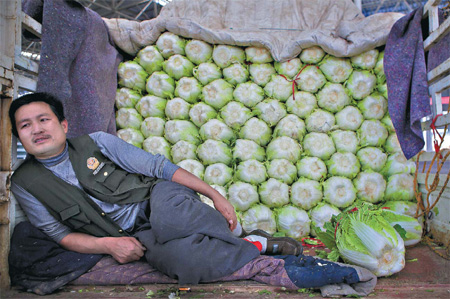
(251, 171)
(261, 73)
(132, 75)
(217, 130)
(176, 130)
(291, 126)
(235, 74)
(301, 103)
(235, 114)
(153, 126)
(320, 121)
(248, 93)
(306, 193)
(170, 44)
(193, 166)
(284, 148)
(242, 195)
(310, 79)
(370, 186)
(343, 164)
(349, 118)
(200, 113)
(256, 130)
(333, 97)
(312, 55)
(259, 217)
(214, 151)
(339, 191)
(336, 69)
(247, 149)
(198, 51)
(218, 174)
(157, 145)
(282, 170)
(318, 145)
(132, 136)
(312, 168)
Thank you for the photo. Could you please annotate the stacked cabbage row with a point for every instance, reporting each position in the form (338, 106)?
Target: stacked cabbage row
(288, 143)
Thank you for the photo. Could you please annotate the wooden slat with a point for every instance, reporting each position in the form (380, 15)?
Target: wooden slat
(31, 25)
(438, 72)
(26, 64)
(6, 62)
(437, 35)
(25, 83)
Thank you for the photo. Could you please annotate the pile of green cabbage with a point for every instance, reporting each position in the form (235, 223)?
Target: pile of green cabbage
(290, 144)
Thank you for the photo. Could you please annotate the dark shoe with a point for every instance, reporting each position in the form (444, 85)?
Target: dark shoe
(279, 245)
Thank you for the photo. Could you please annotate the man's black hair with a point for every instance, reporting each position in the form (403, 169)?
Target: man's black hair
(47, 98)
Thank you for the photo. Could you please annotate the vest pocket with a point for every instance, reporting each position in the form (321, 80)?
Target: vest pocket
(110, 177)
(73, 217)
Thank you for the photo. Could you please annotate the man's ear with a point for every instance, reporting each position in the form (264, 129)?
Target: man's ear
(65, 125)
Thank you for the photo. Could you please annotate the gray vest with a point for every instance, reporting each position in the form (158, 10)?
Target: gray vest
(98, 176)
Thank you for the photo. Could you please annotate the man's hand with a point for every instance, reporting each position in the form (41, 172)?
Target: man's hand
(124, 249)
(226, 209)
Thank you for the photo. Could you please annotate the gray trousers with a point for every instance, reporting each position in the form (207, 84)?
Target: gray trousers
(187, 239)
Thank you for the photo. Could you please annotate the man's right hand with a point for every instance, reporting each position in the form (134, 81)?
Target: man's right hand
(124, 249)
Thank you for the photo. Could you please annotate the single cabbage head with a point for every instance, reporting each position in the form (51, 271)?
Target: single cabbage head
(189, 89)
(306, 193)
(318, 145)
(343, 164)
(217, 130)
(178, 66)
(339, 191)
(320, 121)
(236, 74)
(176, 130)
(274, 193)
(271, 111)
(345, 141)
(207, 72)
(242, 195)
(248, 93)
(293, 222)
(373, 106)
(400, 187)
(132, 136)
(371, 158)
(258, 55)
(349, 118)
(310, 79)
(214, 151)
(370, 186)
(126, 98)
(360, 84)
(217, 93)
(132, 75)
(284, 148)
(157, 145)
(312, 168)
(289, 68)
(247, 149)
(169, 44)
(333, 97)
(200, 113)
(235, 114)
(128, 118)
(282, 170)
(397, 163)
(336, 69)
(193, 166)
(372, 133)
(301, 103)
(259, 217)
(177, 108)
(150, 59)
(261, 73)
(365, 238)
(153, 126)
(279, 88)
(161, 85)
(256, 130)
(291, 126)
(251, 171)
(312, 55)
(198, 51)
(366, 60)
(151, 106)
(320, 215)
(392, 144)
(224, 55)
(183, 150)
(218, 174)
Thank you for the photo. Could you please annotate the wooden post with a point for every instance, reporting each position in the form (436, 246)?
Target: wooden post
(8, 34)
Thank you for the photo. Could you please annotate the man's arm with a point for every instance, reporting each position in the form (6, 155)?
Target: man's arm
(122, 249)
(221, 204)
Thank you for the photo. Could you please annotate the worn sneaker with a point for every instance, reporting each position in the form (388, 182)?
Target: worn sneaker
(279, 245)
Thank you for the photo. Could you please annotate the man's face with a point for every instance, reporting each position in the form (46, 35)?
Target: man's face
(41, 133)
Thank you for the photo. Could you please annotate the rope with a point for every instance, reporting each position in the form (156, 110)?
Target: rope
(295, 78)
(440, 161)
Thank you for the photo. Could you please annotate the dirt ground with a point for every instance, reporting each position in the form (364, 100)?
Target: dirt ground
(426, 275)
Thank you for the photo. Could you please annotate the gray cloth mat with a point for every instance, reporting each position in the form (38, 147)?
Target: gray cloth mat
(78, 64)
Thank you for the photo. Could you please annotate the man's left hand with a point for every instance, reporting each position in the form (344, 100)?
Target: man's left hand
(227, 210)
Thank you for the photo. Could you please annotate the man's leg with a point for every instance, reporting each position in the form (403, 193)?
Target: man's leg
(188, 239)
